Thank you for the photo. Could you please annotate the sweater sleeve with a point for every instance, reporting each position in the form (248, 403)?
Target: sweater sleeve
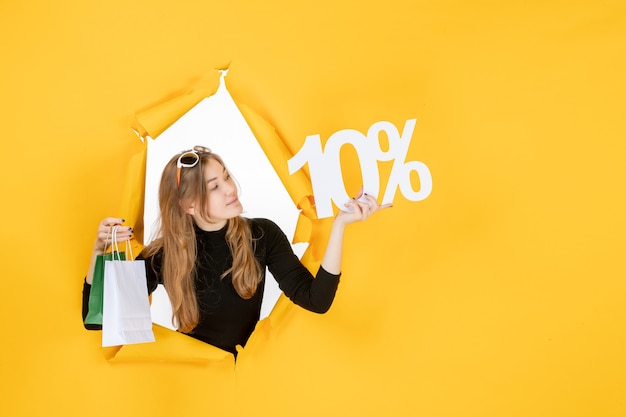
(86, 292)
(294, 279)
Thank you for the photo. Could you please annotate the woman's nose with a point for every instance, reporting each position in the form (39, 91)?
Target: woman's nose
(229, 187)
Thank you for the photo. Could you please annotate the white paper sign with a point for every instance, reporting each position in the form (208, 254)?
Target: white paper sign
(325, 165)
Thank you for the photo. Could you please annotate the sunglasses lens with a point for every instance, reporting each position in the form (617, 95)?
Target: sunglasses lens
(189, 159)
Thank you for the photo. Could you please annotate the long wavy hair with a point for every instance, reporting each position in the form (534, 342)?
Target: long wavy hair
(176, 238)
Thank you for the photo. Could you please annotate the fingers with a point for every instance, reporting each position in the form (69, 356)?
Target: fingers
(104, 235)
(367, 204)
(361, 207)
(360, 210)
(123, 233)
(111, 221)
(373, 204)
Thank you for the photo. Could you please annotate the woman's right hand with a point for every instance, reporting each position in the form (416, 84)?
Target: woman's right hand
(105, 228)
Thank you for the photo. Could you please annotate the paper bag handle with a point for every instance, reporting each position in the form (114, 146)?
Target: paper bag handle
(115, 247)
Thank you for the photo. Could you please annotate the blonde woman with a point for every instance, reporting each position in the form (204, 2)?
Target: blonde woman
(212, 261)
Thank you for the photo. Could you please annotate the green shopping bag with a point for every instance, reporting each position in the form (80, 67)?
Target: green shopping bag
(94, 314)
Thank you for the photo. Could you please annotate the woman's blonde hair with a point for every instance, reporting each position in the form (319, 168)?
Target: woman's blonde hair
(177, 240)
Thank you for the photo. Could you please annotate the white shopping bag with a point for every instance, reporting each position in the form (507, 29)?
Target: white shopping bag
(126, 315)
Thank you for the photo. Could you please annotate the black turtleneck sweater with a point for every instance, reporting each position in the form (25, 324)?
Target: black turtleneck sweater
(226, 319)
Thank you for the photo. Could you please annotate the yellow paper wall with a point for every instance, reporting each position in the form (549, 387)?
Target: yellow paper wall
(502, 294)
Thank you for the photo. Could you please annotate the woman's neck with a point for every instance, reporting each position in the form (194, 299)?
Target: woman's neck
(209, 226)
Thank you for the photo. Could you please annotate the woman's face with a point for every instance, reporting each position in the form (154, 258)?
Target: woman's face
(223, 203)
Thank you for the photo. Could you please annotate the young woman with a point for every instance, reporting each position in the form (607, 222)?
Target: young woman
(212, 260)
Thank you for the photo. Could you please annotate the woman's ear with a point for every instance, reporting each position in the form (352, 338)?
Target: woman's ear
(190, 210)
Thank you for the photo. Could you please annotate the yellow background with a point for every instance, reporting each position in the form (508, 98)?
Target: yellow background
(502, 294)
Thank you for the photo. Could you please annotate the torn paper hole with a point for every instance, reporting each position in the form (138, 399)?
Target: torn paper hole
(217, 123)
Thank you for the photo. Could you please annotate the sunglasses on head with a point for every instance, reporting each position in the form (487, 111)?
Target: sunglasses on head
(189, 159)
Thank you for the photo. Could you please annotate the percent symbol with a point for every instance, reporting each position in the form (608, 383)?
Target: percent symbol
(400, 175)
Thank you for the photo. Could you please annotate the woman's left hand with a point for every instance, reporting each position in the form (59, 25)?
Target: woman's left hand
(360, 208)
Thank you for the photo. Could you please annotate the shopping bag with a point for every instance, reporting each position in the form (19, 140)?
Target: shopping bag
(126, 315)
(94, 313)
